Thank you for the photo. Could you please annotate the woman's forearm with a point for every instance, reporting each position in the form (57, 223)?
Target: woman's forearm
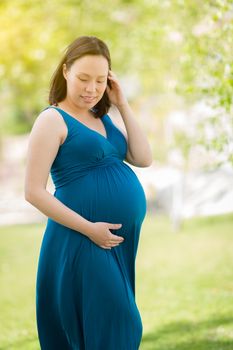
(57, 211)
(138, 144)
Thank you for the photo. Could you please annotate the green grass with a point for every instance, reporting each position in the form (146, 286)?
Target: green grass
(184, 285)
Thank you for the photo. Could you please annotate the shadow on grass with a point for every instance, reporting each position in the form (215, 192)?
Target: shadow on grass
(186, 335)
(182, 335)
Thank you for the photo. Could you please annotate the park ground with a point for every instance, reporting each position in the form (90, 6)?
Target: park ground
(184, 284)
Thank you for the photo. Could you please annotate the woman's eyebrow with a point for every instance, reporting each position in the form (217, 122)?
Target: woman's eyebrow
(100, 76)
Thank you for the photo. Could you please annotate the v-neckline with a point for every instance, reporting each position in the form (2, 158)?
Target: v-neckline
(85, 126)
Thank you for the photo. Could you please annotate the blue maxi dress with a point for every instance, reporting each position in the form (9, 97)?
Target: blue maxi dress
(85, 294)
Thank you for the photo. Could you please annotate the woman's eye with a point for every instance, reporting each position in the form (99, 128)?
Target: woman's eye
(86, 80)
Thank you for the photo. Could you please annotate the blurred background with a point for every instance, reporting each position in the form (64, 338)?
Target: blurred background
(174, 61)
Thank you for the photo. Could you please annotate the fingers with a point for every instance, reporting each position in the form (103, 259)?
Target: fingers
(114, 226)
(109, 246)
(113, 242)
(103, 246)
(115, 238)
(111, 75)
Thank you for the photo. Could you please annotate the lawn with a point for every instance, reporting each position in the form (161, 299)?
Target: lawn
(184, 285)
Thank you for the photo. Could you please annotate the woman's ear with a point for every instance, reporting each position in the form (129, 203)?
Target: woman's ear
(64, 70)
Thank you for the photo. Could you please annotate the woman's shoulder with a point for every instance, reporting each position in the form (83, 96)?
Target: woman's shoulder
(49, 116)
(48, 112)
(49, 123)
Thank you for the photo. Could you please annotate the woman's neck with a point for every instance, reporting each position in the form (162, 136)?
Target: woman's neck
(72, 109)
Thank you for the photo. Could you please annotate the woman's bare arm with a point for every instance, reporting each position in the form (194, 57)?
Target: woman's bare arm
(139, 151)
(44, 141)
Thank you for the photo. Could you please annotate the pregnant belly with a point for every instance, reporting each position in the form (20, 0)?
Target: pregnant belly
(111, 194)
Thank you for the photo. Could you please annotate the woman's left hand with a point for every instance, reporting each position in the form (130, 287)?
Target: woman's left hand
(115, 94)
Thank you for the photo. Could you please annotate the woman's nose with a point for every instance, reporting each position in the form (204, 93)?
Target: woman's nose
(91, 87)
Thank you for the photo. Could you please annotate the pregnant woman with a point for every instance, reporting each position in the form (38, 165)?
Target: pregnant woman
(85, 285)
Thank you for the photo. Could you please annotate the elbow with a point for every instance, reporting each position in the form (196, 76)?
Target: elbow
(147, 162)
(143, 164)
(30, 195)
(147, 159)
(27, 191)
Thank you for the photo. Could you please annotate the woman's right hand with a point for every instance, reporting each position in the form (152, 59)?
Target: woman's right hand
(103, 237)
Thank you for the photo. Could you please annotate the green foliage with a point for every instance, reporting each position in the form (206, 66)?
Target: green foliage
(173, 46)
(35, 33)
(203, 32)
(210, 45)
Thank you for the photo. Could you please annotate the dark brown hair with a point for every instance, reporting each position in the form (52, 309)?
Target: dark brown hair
(83, 45)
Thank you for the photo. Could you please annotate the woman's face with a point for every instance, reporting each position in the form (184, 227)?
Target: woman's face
(86, 80)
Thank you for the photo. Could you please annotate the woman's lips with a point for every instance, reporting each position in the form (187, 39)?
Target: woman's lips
(88, 98)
